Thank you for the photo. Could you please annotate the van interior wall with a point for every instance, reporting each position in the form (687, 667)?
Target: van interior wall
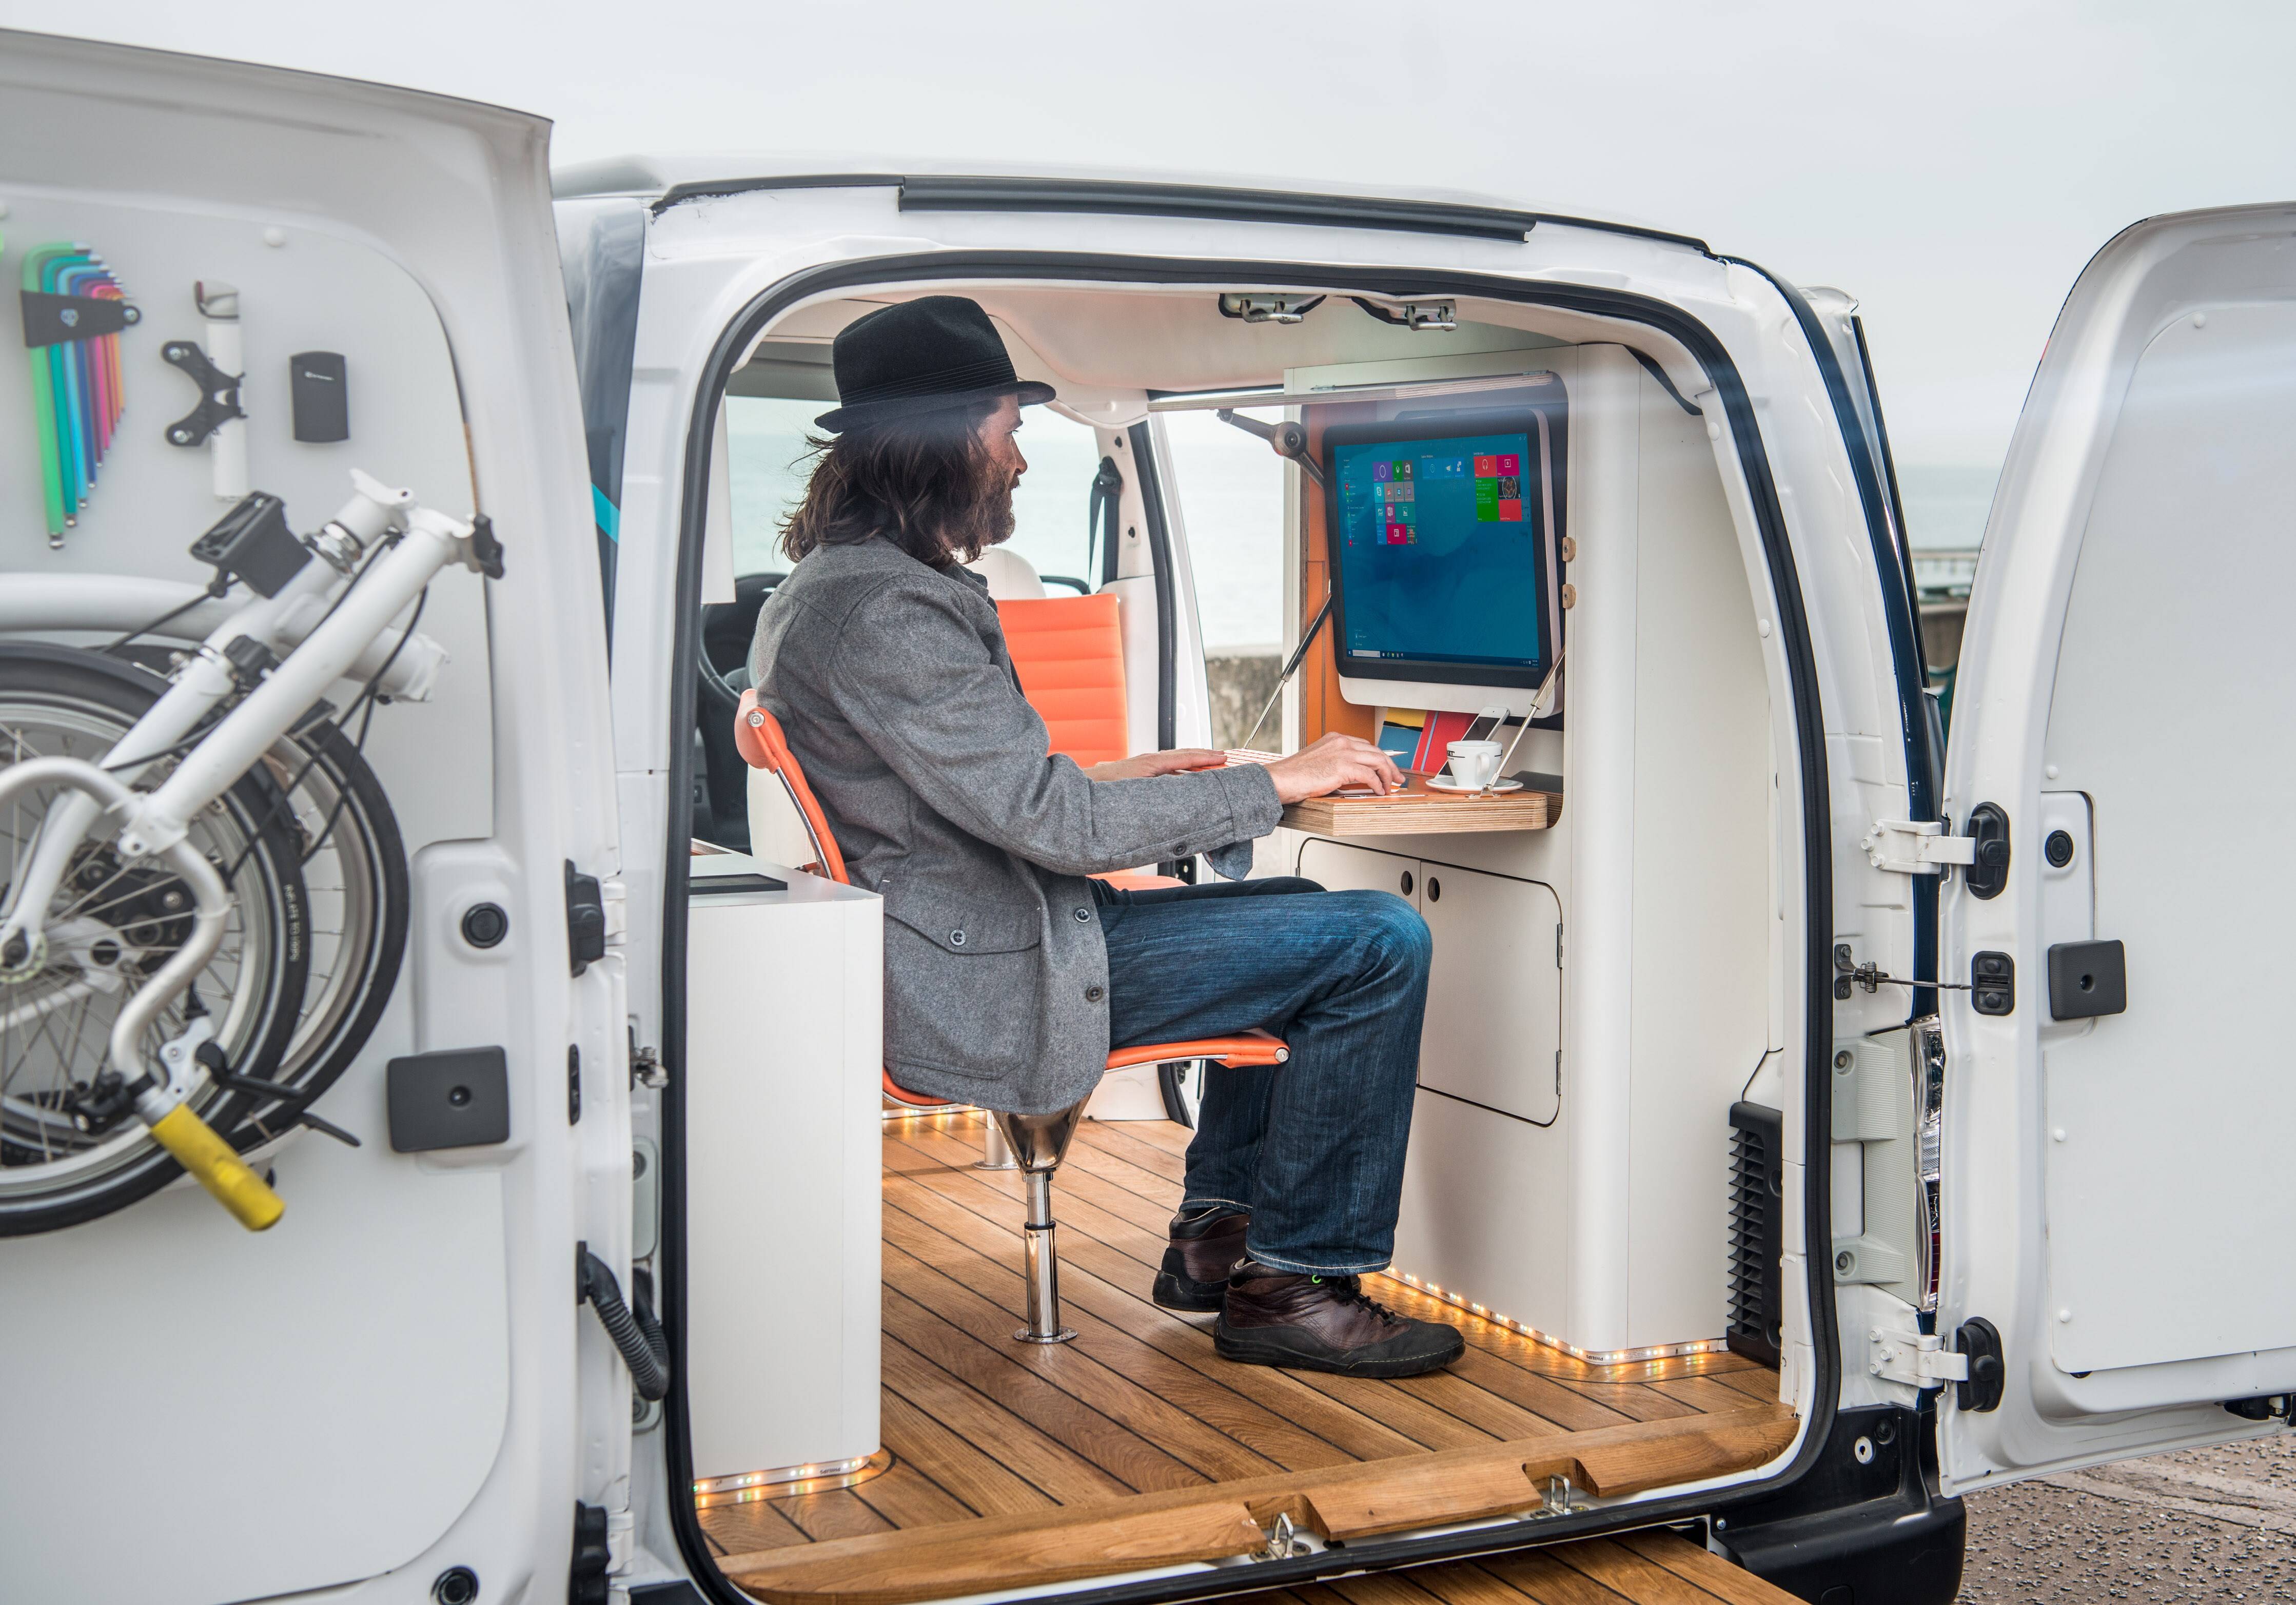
(376, 1420)
(1570, 1156)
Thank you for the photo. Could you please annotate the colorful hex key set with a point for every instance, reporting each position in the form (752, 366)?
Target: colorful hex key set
(73, 310)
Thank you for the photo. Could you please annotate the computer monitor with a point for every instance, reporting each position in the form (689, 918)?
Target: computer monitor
(1443, 533)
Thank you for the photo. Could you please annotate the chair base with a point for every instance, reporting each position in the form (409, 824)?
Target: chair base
(1067, 1334)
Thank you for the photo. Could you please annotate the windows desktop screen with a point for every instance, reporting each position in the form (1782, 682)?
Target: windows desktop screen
(1438, 549)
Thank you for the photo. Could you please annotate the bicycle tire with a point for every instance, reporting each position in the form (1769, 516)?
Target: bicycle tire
(364, 824)
(259, 1012)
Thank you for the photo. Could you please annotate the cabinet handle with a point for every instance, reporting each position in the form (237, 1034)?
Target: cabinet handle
(1434, 890)
(1406, 883)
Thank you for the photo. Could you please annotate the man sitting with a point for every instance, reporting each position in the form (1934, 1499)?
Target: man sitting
(1008, 972)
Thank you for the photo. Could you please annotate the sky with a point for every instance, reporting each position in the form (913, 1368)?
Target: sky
(1953, 165)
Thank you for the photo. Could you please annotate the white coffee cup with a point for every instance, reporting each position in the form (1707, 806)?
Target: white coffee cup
(1475, 763)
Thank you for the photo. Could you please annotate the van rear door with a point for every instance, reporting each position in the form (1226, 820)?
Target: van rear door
(2118, 1102)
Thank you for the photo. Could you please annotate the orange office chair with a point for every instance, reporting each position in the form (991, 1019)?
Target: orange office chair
(1069, 654)
(1033, 1143)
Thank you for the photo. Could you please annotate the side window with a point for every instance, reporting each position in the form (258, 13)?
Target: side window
(1231, 494)
(1050, 509)
(766, 440)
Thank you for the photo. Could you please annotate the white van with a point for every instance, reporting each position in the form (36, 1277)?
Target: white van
(1819, 1118)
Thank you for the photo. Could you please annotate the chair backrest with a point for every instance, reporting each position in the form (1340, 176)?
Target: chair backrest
(1068, 652)
(1010, 575)
(763, 746)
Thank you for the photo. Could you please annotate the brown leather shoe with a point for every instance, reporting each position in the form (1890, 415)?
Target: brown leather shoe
(1205, 1246)
(1326, 1323)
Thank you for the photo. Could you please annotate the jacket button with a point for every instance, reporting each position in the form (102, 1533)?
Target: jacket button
(1083, 915)
(1093, 994)
(956, 938)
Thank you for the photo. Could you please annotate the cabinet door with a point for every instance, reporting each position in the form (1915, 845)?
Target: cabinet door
(1494, 1000)
(1337, 867)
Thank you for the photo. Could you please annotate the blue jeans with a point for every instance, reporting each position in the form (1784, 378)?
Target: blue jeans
(1313, 1147)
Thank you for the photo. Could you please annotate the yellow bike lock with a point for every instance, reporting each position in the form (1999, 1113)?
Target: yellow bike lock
(218, 1170)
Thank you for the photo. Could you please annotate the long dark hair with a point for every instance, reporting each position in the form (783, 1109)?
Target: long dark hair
(919, 481)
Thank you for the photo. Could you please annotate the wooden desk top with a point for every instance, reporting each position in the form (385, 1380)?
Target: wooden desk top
(1421, 813)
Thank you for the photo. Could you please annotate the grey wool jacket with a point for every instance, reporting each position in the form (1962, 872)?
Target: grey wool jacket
(891, 680)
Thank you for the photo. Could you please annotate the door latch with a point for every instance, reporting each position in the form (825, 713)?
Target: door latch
(1917, 847)
(1916, 1359)
(585, 919)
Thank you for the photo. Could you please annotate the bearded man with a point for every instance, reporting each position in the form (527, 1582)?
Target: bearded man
(1009, 971)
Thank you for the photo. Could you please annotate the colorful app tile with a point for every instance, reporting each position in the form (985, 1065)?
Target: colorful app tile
(1403, 468)
(1399, 535)
(1509, 464)
(1510, 510)
(1510, 486)
(1379, 472)
(1486, 468)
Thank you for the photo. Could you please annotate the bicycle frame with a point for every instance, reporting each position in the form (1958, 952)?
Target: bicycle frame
(331, 617)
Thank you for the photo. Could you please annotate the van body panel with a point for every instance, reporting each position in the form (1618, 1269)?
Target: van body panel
(713, 256)
(395, 1380)
(2123, 698)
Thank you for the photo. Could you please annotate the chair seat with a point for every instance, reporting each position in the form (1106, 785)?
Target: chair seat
(1249, 1048)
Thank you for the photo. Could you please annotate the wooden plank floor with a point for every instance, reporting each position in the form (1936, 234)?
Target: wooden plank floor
(1639, 1568)
(981, 1426)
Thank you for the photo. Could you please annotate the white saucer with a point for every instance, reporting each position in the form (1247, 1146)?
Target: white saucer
(1436, 783)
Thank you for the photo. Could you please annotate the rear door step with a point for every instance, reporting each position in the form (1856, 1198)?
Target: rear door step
(1341, 1504)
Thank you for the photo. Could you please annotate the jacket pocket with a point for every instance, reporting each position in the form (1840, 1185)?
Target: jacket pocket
(963, 987)
(965, 925)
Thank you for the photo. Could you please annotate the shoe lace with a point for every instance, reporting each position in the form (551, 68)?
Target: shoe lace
(1350, 1290)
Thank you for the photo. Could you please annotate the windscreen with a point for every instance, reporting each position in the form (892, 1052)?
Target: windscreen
(1440, 550)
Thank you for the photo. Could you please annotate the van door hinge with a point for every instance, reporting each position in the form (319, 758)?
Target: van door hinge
(1917, 847)
(1916, 1359)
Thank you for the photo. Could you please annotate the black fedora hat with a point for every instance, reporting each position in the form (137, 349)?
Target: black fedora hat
(924, 355)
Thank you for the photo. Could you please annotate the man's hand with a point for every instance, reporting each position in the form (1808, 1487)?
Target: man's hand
(1332, 764)
(1140, 765)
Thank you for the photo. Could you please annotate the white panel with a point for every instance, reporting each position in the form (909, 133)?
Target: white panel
(1484, 1202)
(1702, 877)
(784, 1011)
(1599, 770)
(319, 1401)
(352, 1363)
(2177, 626)
(1494, 1000)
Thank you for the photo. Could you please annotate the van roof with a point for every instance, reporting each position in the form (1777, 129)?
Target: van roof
(968, 185)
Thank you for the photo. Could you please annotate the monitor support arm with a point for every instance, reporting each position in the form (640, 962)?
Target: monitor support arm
(1289, 440)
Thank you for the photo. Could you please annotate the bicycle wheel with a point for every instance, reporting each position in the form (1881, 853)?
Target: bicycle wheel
(354, 867)
(68, 1154)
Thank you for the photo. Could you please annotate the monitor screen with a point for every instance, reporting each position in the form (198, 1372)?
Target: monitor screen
(1441, 542)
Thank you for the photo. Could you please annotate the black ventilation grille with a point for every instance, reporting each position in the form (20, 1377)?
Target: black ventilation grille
(1756, 1203)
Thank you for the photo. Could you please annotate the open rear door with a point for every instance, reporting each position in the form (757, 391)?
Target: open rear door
(2117, 1185)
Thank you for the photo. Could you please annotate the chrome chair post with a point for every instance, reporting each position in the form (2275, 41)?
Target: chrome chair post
(1037, 1144)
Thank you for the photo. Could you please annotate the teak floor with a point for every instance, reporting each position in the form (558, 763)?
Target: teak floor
(1137, 1421)
(1639, 1568)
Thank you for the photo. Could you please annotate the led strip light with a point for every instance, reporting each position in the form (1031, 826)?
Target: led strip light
(784, 1482)
(1592, 1356)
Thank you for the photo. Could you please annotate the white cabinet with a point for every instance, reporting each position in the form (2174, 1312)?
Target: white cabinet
(1494, 1030)
(784, 1045)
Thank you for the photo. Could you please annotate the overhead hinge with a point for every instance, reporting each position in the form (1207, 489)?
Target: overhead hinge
(1917, 847)
(1916, 1359)
(1268, 309)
